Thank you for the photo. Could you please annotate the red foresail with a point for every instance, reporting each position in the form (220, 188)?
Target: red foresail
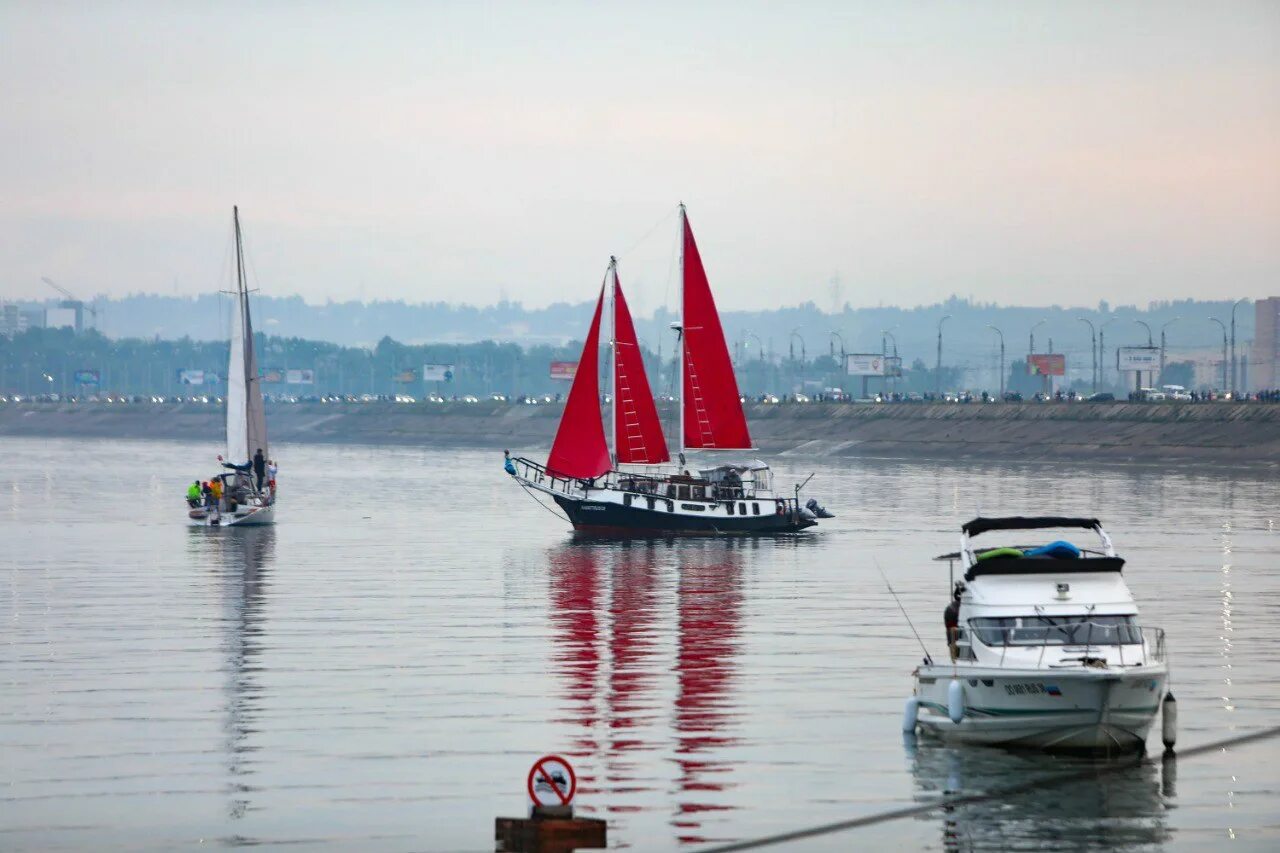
(713, 416)
(637, 432)
(580, 449)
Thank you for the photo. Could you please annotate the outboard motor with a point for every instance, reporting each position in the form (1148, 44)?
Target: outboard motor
(817, 509)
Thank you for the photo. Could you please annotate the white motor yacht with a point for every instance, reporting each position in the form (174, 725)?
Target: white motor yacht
(1047, 651)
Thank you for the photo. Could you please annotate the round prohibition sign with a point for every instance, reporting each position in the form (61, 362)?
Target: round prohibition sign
(552, 781)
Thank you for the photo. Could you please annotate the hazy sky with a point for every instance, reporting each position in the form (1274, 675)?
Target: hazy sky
(1021, 152)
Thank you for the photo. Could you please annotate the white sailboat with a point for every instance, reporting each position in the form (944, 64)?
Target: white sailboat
(246, 499)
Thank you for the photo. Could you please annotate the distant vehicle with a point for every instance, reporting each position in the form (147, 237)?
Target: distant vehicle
(801, 398)
(498, 398)
(1152, 395)
(434, 398)
(1101, 397)
(469, 399)
(405, 398)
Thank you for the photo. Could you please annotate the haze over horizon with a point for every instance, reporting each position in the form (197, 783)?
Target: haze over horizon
(1025, 154)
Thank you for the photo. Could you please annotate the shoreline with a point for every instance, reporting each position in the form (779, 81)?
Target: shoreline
(1245, 435)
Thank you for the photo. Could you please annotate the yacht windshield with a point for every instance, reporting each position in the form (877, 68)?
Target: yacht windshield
(1039, 630)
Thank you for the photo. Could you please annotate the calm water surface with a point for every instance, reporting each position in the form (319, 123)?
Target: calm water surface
(378, 670)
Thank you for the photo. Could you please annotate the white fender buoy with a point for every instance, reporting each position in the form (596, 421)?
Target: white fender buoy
(1169, 720)
(955, 701)
(910, 714)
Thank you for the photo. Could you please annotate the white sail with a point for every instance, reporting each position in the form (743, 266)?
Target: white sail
(237, 390)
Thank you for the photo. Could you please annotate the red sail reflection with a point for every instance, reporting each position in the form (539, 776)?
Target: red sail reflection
(613, 665)
(709, 610)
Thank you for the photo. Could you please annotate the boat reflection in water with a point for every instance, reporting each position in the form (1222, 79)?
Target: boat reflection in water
(1116, 809)
(614, 609)
(242, 557)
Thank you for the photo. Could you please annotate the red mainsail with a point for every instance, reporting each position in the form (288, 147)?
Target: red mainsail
(637, 432)
(713, 416)
(580, 449)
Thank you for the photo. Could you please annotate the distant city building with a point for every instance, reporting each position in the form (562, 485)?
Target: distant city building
(12, 319)
(1265, 364)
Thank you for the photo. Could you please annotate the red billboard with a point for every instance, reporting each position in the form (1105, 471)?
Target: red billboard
(563, 369)
(1047, 364)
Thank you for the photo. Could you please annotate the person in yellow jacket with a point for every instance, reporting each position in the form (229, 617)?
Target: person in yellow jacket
(194, 494)
(216, 486)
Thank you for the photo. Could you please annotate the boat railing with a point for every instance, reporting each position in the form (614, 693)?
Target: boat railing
(1140, 644)
(648, 485)
(532, 472)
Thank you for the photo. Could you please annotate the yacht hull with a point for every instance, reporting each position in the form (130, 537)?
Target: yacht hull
(259, 516)
(611, 519)
(1075, 710)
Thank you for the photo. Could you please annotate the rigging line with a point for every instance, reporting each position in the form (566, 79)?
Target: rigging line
(540, 503)
(1000, 792)
(648, 233)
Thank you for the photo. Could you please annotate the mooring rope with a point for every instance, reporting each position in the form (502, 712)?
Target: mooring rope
(997, 793)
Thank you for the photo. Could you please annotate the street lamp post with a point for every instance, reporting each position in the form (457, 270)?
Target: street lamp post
(1102, 349)
(1162, 339)
(884, 349)
(1234, 306)
(833, 337)
(1001, 334)
(1093, 348)
(1150, 345)
(1031, 343)
(1224, 350)
(795, 335)
(937, 374)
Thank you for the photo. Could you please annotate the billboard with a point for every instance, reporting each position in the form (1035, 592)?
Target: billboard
(190, 377)
(405, 377)
(564, 369)
(86, 377)
(1047, 364)
(892, 365)
(58, 318)
(437, 373)
(1138, 358)
(271, 374)
(865, 364)
(300, 377)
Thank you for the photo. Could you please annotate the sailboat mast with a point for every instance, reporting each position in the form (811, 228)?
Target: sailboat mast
(680, 342)
(613, 360)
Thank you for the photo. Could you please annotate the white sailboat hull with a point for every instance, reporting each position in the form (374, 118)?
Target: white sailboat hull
(255, 516)
(1081, 709)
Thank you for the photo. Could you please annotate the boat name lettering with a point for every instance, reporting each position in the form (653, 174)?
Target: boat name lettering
(594, 507)
(1024, 688)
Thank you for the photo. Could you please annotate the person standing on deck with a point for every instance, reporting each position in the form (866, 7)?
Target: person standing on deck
(951, 620)
(272, 470)
(194, 494)
(260, 468)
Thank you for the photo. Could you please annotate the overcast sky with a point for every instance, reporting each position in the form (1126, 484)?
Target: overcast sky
(1019, 152)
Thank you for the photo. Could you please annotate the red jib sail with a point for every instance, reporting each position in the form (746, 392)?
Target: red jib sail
(580, 449)
(713, 416)
(637, 432)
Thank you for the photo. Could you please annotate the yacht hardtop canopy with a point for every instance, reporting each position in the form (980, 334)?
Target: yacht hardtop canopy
(1020, 522)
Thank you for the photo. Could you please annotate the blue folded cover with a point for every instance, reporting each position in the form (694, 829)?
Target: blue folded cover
(1059, 549)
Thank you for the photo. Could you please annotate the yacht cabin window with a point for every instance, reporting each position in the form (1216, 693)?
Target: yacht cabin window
(1037, 630)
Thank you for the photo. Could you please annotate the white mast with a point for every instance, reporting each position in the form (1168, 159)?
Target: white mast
(680, 343)
(613, 363)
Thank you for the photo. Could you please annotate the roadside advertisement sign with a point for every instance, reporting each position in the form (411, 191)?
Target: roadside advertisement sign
(406, 377)
(300, 377)
(1138, 358)
(437, 373)
(1047, 364)
(190, 377)
(271, 374)
(892, 366)
(864, 364)
(86, 377)
(564, 369)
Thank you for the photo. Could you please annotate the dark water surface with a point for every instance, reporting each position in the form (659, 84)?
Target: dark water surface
(378, 671)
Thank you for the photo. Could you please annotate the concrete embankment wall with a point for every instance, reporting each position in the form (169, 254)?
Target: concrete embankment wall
(1222, 433)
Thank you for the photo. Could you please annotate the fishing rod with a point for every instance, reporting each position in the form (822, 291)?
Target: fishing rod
(928, 658)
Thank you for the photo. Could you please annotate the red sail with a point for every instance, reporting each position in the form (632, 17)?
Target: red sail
(580, 449)
(637, 432)
(713, 416)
